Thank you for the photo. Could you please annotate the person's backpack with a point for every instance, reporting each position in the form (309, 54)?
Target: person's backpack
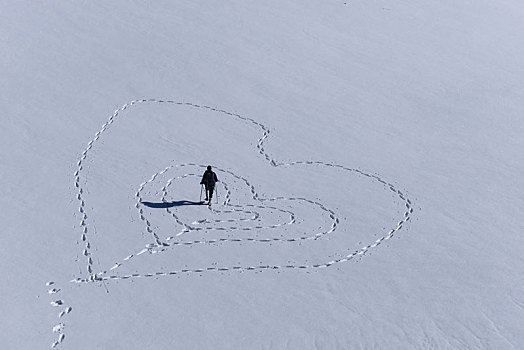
(211, 178)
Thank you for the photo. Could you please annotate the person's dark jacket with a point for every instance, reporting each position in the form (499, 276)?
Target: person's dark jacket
(209, 178)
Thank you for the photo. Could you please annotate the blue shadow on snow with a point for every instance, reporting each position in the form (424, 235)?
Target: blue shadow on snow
(170, 204)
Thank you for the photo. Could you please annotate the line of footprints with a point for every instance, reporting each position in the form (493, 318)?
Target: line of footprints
(64, 310)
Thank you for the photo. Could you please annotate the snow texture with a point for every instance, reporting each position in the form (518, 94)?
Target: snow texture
(370, 192)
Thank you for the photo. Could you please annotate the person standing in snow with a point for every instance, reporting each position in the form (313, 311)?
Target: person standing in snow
(209, 179)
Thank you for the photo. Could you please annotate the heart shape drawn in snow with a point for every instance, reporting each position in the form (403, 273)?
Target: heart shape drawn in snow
(278, 224)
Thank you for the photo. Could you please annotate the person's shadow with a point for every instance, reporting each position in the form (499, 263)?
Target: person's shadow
(170, 204)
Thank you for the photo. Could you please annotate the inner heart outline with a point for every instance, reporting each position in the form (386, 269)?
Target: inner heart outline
(168, 242)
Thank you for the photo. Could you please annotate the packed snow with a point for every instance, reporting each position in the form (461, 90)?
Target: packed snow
(368, 154)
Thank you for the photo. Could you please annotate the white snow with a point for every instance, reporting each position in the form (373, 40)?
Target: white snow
(369, 156)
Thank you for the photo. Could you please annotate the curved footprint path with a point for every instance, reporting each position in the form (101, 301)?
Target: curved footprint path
(249, 213)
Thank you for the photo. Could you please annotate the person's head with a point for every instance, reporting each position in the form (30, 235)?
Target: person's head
(209, 167)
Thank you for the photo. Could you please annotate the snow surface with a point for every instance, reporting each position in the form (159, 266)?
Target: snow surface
(369, 154)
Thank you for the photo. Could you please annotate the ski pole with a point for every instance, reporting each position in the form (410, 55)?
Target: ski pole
(201, 187)
(216, 191)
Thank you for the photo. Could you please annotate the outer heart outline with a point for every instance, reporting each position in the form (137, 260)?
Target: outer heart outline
(102, 276)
